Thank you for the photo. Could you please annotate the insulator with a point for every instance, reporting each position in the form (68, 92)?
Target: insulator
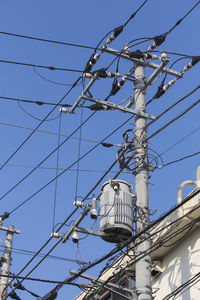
(170, 83)
(126, 49)
(191, 64)
(154, 57)
(159, 93)
(56, 235)
(78, 203)
(87, 75)
(75, 237)
(163, 55)
(92, 61)
(117, 31)
(93, 213)
(158, 40)
(63, 110)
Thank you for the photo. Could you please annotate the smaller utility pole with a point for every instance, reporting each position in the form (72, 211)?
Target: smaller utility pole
(6, 260)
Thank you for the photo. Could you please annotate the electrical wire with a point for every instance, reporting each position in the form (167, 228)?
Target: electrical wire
(174, 119)
(51, 81)
(53, 257)
(151, 249)
(71, 44)
(61, 169)
(78, 156)
(179, 159)
(124, 244)
(47, 132)
(158, 40)
(33, 117)
(29, 136)
(51, 68)
(57, 166)
(62, 224)
(60, 174)
(52, 152)
(181, 140)
(40, 280)
(38, 102)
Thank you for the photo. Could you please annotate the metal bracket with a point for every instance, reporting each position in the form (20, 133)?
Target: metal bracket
(94, 232)
(9, 230)
(82, 94)
(153, 76)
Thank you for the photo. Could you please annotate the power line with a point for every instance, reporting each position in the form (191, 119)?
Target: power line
(61, 169)
(29, 136)
(47, 132)
(38, 102)
(159, 39)
(126, 243)
(181, 140)
(174, 119)
(179, 159)
(52, 152)
(40, 280)
(180, 20)
(51, 68)
(60, 174)
(32, 253)
(70, 44)
(173, 105)
(63, 223)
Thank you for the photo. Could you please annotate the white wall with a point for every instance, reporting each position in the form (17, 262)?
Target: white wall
(179, 265)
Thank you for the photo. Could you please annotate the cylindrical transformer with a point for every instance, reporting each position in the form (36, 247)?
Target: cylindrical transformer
(116, 211)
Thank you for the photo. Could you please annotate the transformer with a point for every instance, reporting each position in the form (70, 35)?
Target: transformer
(116, 211)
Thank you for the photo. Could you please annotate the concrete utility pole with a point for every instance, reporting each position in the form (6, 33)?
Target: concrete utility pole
(143, 266)
(5, 270)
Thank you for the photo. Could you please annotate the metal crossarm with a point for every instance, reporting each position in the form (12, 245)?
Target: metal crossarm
(119, 107)
(142, 62)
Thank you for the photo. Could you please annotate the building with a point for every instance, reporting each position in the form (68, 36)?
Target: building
(175, 253)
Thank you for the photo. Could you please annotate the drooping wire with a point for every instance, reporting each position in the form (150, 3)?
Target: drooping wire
(57, 166)
(35, 118)
(51, 81)
(179, 159)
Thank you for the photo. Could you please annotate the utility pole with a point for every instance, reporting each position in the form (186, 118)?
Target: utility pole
(143, 266)
(5, 270)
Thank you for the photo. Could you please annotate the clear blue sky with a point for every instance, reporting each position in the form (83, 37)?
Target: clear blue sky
(83, 22)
